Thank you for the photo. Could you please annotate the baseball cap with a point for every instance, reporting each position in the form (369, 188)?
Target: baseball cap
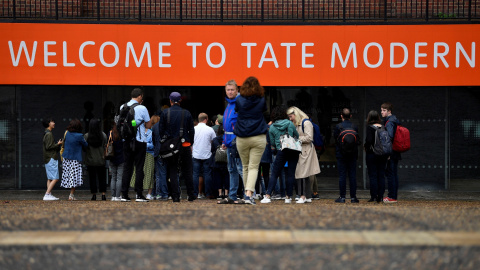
(220, 118)
(175, 97)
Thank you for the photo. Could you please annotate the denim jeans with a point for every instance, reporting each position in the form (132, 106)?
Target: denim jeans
(235, 170)
(347, 166)
(161, 187)
(116, 183)
(376, 166)
(280, 182)
(392, 177)
(202, 165)
(282, 157)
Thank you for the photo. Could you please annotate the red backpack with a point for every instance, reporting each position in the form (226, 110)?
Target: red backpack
(401, 140)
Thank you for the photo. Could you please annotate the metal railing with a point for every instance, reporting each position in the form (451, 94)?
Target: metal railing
(243, 11)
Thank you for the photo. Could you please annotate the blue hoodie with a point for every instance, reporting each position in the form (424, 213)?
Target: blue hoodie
(250, 116)
(229, 121)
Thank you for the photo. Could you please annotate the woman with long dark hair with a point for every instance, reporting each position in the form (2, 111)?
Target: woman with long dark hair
(72, 157)
(281, 125)
(116, 164)
(95, 158)
(376, 165)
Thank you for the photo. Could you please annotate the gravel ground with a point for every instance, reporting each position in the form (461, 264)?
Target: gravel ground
(426, 211)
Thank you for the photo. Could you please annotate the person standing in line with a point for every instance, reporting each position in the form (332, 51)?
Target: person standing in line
(135, 151)
(50, 158)
(149, 166)
(391, 122)
(308, 161)
(170, 127)
(281, 125)
(201, 155)
(375, 164)
(220, 175)
(95, 158)
(116, 164)
(346, 161)
(161, 185)
(251, 130)
(229, 142)
(72, 157)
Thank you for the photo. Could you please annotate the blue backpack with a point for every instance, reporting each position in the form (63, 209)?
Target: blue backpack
(382, 145)
(317, 136)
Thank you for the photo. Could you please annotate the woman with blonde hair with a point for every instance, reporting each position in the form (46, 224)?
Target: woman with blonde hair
(250, 130)
(308, 161)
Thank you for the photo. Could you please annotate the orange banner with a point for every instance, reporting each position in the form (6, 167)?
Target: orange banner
(371, 55)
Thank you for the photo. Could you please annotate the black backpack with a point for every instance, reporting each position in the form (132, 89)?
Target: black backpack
(125, 127)
(348, 140)
(382, 145)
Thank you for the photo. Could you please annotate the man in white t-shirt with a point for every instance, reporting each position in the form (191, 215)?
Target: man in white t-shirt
(201, 154)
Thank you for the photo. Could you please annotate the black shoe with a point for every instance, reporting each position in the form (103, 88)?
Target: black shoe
(125, 199)
(94, 197)
(104, 198)
(191, 198)
(141, 198)
(176, 199)
(354, 200)
(340, 200)
(372, 200)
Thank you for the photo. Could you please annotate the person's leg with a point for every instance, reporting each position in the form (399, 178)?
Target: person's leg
(395, 177)
(207, 176)
(290, 172)
(266, 175)
(52, 175)
(102, 179)
(127, 169)
(255, 155)
(92, 177)
(372, 175)
(232, 170)
(342, 171)
(389, 174)
(352, 176)
(172, 165)
(196, 163)
(187, 169)
(113, 182)
(243, 147)
(307, 188)
(381, 167)
(277, 168)
(313, 179)
(118, 188)
(161, 175)
(140, 153)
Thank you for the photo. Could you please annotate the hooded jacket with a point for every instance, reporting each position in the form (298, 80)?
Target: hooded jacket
(250, 120)
(229, 121)
(391, 123)
(279, 128)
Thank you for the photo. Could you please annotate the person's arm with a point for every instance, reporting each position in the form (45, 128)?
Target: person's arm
(369, 138)
(390, 126)
(49, 142)
(307, 136)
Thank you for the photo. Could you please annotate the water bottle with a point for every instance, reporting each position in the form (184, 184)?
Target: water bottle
(134, 123)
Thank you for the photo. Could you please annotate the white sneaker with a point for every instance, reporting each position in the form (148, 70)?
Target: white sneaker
(114, 199)
(201, 196)
(149, 197)
(266, 200)
(288, 200)
(300, 200)
(49, 197)
(308, 200)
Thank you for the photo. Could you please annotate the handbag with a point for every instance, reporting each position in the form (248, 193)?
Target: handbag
(221, 155)
(289, 142)
(109, 151)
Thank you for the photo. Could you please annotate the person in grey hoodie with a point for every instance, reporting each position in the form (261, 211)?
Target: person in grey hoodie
(280, 126)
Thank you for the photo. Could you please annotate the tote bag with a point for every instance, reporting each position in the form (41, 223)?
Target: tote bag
(289, 142)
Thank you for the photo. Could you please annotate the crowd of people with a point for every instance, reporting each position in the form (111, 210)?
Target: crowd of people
(238, 157)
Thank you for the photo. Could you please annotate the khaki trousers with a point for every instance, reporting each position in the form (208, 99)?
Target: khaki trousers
(251, 150)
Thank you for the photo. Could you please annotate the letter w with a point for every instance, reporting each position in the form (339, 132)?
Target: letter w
(351, 49)
(23, 46)
(146, 47)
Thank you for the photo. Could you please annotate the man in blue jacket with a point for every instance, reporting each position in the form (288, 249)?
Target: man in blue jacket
(229, 120)
(169, 127)
(391, 173)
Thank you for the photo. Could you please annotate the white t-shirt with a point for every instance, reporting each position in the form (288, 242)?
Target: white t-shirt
(202, 142)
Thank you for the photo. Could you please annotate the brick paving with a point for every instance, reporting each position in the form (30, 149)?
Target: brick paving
(428, 230)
